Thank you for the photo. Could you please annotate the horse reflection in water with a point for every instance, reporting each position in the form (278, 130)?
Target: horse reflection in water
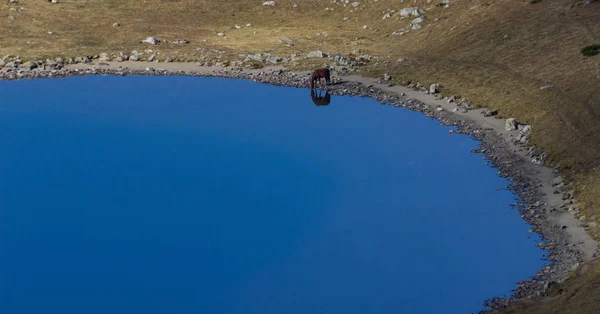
(319, 99)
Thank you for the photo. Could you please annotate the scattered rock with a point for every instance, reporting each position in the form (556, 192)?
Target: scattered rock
(135, 56)
(490, 113)
(273, 60)
(181, 42)
(286, 40)
(82, 60)
(418, 20)
(269, 3)
(408, 12)
(254, 57)
(524, 133)
(151, 40)
(558, 181)
(29, 65)
(316, 54)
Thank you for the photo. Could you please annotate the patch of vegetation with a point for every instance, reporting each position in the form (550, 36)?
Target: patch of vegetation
(577, 295)
(535, 1)
(590, 50)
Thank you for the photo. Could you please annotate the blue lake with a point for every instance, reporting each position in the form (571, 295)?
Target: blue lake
(203, 195)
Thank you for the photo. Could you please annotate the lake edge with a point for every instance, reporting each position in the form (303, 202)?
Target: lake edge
(497, 148)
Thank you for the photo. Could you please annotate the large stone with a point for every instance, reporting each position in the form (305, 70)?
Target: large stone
(433, 88)
(408, 12)
(104, 57)
(316, 54)
(135, 56)
(511, 124)
(151, 40)
(29, 65)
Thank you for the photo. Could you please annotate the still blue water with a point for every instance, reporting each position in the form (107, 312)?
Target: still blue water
(202, 195)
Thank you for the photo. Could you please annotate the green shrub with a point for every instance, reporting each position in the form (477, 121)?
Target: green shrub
(535, 1)
(591, 50)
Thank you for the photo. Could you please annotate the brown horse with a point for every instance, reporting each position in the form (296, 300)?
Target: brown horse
(317, 75)
(319, 100)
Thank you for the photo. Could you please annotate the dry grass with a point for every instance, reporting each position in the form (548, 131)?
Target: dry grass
(578, 295)
(496, 52)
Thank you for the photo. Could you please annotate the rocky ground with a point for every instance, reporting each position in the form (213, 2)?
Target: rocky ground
(564, 251)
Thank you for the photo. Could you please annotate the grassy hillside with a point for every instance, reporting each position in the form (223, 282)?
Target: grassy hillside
(498, 53)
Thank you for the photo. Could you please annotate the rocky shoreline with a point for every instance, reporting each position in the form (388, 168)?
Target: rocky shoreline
(563, 254)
